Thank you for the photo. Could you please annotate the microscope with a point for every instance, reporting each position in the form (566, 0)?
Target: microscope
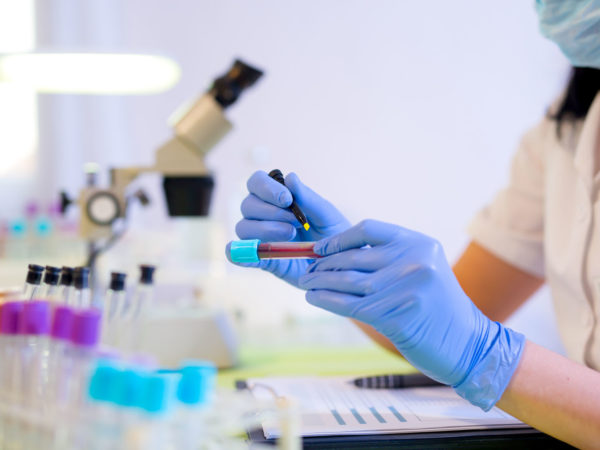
(187, 182)
(188, 186)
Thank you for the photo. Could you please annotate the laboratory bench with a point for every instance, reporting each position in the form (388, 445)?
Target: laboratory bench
(365, 359)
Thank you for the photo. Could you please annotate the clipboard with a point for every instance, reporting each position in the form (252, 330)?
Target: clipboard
(514, 438)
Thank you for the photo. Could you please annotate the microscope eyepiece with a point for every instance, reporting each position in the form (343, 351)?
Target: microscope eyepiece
(227, 89)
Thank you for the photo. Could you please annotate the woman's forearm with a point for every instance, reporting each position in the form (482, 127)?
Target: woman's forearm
(556, 396)
(496, 287)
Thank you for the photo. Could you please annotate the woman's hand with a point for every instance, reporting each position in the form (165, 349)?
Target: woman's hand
(399, 282)
(266, 217)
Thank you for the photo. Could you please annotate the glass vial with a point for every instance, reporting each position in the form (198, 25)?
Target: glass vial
(144, 291)
(65, 285)
(50, 285)
(115, 296)
(81, 280)
(32, 281)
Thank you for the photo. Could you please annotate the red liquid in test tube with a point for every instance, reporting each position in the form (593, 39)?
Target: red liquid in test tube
(283, 250)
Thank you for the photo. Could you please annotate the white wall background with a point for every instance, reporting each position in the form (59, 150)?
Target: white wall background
(402, 111)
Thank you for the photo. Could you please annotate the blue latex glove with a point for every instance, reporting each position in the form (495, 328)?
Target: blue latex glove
(267, 217)
(399, 282)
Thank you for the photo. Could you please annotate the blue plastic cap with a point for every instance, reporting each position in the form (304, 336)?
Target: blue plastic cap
(172, 376)
(102, 382)
(18, 227)
(43, 226)
(245, 251)
(192, 388)
(129, 388)
(197, 382)
(209, 366)
(155, 394)
(170, 373)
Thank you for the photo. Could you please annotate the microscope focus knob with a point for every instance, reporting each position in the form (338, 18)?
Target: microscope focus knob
(65, 202)
(103, 208)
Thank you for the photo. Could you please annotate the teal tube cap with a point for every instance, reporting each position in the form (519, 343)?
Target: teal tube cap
(245, 251)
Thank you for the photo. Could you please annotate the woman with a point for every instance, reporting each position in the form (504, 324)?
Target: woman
(544, 227)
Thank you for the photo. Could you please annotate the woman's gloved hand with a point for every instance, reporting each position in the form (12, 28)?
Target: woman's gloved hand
(399, 282)
(266, 217)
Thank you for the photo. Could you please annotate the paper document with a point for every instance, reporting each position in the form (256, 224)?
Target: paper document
(334, 406)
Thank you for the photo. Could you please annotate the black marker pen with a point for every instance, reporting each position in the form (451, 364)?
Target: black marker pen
(278, 176)
(395, 381)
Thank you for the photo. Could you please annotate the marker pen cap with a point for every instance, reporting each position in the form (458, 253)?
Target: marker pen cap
(244, 251)
(86, 327)
(10, 314)
(62, 322)
(35, 318)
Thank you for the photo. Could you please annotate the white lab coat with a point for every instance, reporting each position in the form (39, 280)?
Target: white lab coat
(547, 222)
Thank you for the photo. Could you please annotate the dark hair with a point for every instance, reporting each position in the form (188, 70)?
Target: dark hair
(583, 86)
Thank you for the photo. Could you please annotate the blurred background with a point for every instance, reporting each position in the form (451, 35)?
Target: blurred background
(406, 112)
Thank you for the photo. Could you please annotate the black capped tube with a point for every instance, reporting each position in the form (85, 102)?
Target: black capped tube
(81, 281)
(51, 277)
(33, 281)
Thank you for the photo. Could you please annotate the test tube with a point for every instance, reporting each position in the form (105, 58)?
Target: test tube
(141, 301)
(117, 397)
(155, 404)
(113, 303)
(65, 285)
(82, 295)
(35, 355)
(194, 391)
(10, 367)
(253, 250)
(32, 281)
(10, 313)
(103, 388)
(85, 336)
(61, 330)
(143, 295)
(286, 250)
(51, 277)
(34, 326)
(115, 296)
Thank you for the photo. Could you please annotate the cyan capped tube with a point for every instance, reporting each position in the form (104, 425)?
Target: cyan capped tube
(155, 398)
(244, 251)
(129, 388)
(197, 382)
(102, 382)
